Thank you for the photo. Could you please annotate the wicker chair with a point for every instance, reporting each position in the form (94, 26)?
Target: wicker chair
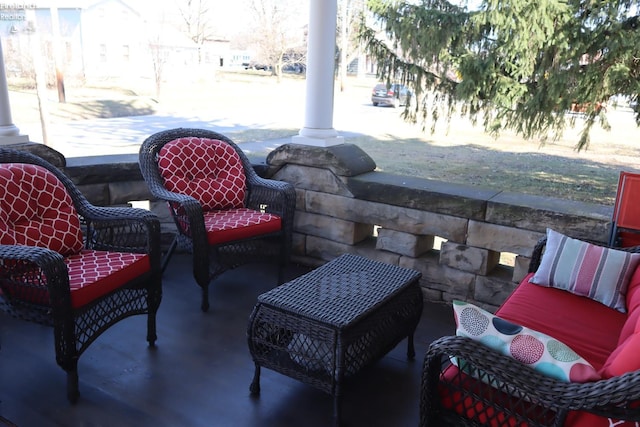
(211, 189)
(527, 397)
(69, 264)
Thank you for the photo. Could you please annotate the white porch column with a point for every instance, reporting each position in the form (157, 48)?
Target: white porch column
(321, 48)
(9, 133)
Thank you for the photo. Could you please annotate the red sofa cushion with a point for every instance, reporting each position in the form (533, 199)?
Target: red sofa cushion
(587, 326)
(36, 210)
(625, 357)
(238, 224)
(208, 170)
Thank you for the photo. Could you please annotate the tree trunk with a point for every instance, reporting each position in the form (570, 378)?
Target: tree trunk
(57, 56)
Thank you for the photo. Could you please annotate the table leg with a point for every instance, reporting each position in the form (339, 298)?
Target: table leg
(411, 351)
(254, 388)
(336, 410)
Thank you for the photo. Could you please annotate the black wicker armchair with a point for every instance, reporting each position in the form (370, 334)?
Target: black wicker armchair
(69, 264)
(496, 390)
(210, 186)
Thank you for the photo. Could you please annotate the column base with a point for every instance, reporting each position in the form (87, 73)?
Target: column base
(13, 139)
(317, 142)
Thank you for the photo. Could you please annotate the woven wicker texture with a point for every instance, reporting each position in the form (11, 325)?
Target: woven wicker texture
(27, 270)
(263, 195)
(330, 323)
(341, 291)
(497, 391)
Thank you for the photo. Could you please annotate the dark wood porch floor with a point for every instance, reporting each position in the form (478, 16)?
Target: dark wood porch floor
(200, 371)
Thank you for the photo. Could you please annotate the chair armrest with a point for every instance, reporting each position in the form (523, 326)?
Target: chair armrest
(277, 197)
(536, 254)
(612, 397)
(123, 229)
(27, 269)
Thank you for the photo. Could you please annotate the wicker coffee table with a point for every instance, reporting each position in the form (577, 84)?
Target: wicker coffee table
(330, 323)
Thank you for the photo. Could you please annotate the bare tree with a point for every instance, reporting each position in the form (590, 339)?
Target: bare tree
(349, 12)
(277, 32)
(56, 43)
(157, 51)
(39, 73)
(197, 21)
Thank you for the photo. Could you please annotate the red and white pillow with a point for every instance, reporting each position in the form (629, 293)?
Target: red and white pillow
(36, 210)
(208, 170)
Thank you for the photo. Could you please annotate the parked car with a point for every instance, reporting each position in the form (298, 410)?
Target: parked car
(256, 66)
(395, 95)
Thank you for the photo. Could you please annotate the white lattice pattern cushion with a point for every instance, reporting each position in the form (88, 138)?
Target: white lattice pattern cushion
(36, 210)
(93, 274)
(208, 170)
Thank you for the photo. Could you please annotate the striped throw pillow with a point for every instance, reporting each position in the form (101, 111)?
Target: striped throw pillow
(581, 268)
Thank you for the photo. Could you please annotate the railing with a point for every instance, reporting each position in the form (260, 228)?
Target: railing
(469, 243)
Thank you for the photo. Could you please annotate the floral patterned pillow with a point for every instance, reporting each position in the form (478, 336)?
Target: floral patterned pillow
(532, 348)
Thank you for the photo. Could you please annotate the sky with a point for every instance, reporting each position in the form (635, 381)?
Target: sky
(232, 16)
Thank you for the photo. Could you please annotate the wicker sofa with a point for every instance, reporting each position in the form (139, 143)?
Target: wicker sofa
(470, 382)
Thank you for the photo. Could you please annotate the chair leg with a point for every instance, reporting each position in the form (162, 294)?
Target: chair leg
(73, 390)
(151, 329)
(205, 299)
(254, 388)
(167, 257)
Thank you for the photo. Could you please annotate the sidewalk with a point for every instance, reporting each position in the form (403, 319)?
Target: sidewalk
(125, 134)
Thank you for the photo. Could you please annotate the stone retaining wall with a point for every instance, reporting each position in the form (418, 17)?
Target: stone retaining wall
(456, 235)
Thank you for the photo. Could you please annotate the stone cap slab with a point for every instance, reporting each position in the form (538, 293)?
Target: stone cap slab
(424, 194)
(343, 160)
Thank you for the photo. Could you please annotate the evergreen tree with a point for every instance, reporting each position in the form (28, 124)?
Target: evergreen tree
(513, 64)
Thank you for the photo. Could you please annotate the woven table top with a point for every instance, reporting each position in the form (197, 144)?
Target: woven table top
(341, 290)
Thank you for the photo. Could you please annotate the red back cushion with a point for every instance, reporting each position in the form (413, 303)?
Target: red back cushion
(208, 170)
(625, 357)
(36, 210)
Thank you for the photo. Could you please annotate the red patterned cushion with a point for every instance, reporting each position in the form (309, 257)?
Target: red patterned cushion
(237, 224)
(208, 170)
(92, 274)
(36, 210)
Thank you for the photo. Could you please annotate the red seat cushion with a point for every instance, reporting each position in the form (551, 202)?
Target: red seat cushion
(36, 210)
(208, 170)
(92, 274)
(237, 224)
